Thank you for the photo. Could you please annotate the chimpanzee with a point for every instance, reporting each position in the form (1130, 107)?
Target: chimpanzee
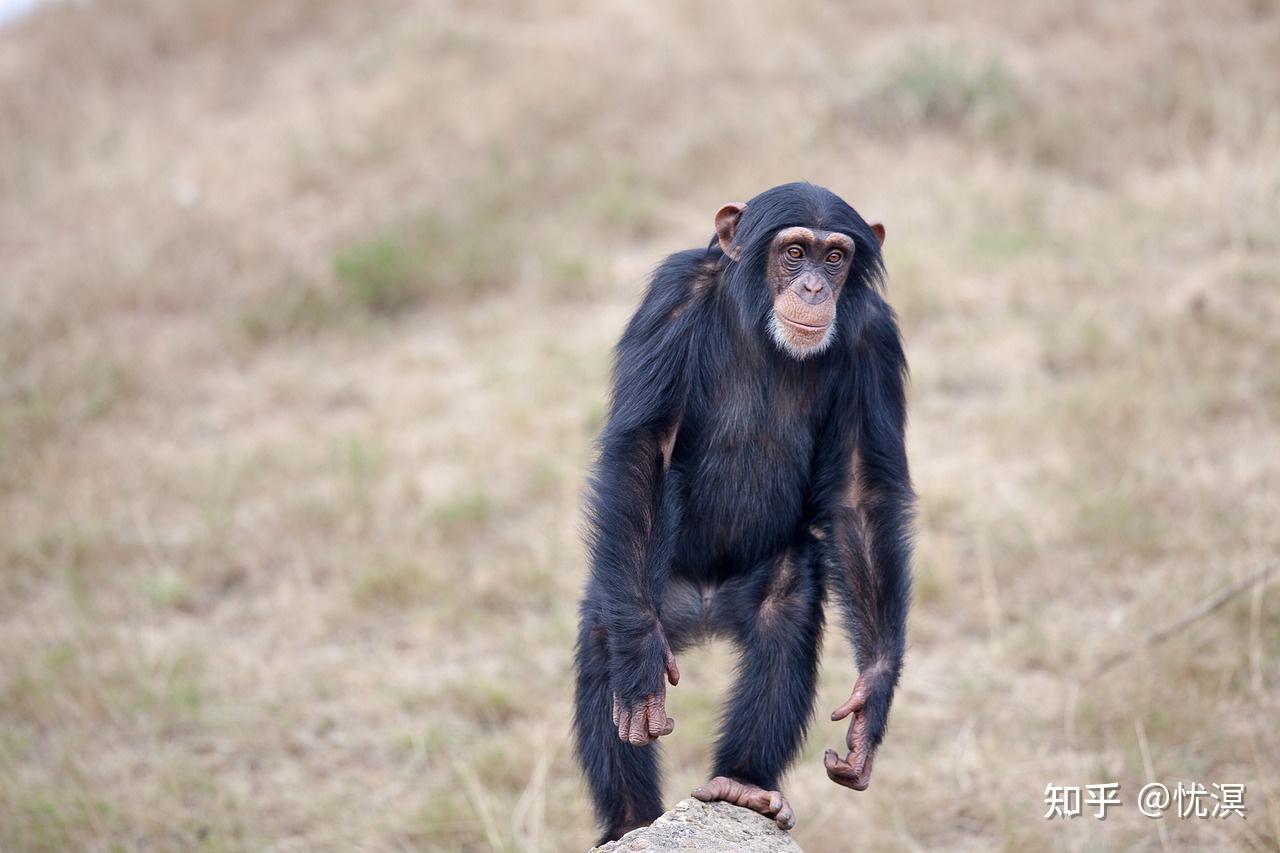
(753, 458)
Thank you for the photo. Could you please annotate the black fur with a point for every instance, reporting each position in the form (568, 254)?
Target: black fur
(753, 521)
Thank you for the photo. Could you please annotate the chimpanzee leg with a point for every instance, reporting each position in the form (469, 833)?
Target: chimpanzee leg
(623, 778)
(779, 628)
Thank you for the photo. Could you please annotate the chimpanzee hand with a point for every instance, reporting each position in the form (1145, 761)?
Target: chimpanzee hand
(869, 705)
(644, 719)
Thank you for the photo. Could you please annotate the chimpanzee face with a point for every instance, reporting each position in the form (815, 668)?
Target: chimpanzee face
(807, 267)
(805, 270)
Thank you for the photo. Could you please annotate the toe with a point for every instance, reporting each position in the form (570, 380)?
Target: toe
(768, 803)
(713, 790)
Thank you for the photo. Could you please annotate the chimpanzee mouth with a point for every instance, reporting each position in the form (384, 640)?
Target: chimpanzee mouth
(804, 326)
(800, 340)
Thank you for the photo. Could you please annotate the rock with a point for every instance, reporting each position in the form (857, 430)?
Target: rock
(711, 827)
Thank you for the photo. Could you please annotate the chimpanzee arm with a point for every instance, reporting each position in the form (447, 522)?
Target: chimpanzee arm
(632, 516)
(870, 528)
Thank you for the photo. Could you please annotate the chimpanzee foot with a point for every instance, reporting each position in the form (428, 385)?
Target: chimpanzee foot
(768, 803)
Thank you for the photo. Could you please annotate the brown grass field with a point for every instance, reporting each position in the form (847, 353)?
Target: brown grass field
(305, 320)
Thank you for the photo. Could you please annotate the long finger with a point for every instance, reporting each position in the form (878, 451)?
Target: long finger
(657, 718)
(841, 772)
(659, 723)
(864, 775)
(861, 749)
(624, 722)
(640, 735)
(859, 758)
(637, 723)
(856, 738)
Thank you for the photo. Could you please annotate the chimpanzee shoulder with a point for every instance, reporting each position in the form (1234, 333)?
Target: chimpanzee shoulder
(677, 282)
(649, 362)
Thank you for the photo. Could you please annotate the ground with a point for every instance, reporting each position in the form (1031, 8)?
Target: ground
(304, 339)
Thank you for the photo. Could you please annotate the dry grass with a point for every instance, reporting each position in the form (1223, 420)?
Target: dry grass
(303, 343)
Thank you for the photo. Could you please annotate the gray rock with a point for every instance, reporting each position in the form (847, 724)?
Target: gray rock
(711, 827)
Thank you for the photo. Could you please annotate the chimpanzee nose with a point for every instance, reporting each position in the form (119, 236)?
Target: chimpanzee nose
(813, 284)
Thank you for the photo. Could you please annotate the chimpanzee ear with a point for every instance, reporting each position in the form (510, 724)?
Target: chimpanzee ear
(727, 225)
(878, 230)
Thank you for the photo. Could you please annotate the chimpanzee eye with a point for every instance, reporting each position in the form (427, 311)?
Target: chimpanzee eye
(795, 252)
(835, 257)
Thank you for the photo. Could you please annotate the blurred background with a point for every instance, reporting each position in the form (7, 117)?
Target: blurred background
(305, 329)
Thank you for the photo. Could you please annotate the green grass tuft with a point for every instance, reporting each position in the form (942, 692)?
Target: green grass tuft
(942, 88)
(429, 258)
